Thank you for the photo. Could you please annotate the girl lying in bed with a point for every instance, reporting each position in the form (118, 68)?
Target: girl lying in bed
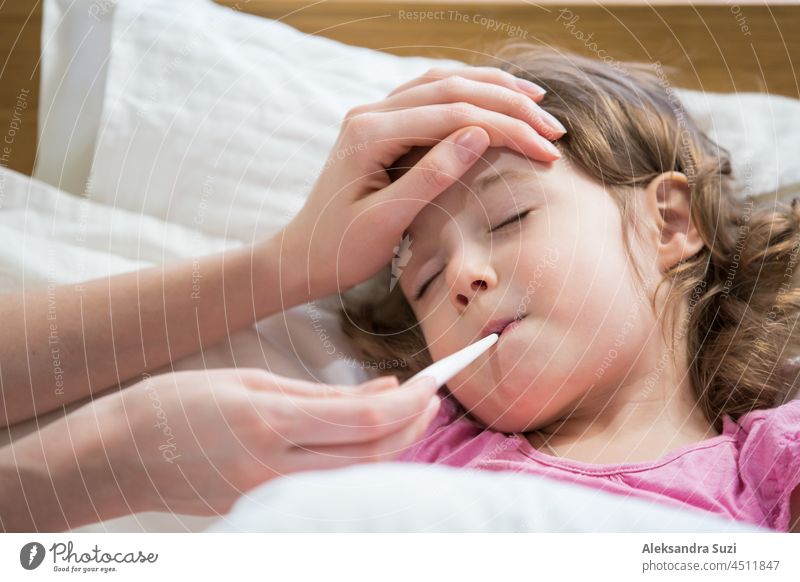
(654, 308)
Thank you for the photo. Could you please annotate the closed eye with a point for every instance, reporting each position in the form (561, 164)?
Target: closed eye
(424, 286)
(514, 219)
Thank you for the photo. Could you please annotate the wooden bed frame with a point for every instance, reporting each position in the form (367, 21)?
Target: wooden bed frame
(714, 45)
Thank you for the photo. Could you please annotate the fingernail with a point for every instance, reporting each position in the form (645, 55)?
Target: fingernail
(531, 88)
(552, 122)
(433, 405)
(469, 145)
(550, 148)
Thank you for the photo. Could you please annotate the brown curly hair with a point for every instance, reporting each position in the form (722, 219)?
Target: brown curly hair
(625, 126)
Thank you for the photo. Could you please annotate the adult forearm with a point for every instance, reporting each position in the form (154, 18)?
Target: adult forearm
(60, 478)
(63, 343)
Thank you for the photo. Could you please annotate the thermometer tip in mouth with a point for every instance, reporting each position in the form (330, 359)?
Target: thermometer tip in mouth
(446, 368)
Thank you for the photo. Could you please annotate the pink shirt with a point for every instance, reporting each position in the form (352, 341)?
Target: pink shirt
(747, 473)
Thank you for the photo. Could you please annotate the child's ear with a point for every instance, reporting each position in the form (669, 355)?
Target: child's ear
(668, 201)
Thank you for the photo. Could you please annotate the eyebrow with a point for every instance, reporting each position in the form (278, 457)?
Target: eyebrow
(484, 183)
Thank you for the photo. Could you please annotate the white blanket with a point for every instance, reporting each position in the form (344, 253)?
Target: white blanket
(403, 497)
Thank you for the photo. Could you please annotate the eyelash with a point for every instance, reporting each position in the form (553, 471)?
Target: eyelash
(513, 219)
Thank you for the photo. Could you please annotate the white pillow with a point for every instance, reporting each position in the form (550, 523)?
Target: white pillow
(762, 134)
(76, 41)
(221, 120)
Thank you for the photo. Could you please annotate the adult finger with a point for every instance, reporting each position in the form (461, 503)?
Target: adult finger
(352, 419)
(436, 171)
(485, 74)
(398, 131)
(497, 98)
(383, 449)
(261, 380)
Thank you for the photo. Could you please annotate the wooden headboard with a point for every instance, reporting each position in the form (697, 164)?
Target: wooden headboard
(715, 45)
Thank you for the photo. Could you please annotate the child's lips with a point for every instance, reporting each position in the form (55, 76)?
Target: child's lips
(511, 327)
(502, 326)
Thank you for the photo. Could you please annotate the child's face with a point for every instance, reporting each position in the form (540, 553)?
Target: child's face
(562, 268)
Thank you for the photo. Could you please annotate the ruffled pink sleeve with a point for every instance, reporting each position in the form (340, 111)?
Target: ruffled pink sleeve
(770, 459)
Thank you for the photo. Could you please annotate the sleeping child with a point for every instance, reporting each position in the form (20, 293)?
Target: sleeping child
(647, 310)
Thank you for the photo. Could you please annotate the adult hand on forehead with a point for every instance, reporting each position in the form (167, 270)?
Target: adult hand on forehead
(355, 215)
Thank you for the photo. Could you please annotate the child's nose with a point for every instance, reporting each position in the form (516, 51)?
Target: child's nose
(477, 284)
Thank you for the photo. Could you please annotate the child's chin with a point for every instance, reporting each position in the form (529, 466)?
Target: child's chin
(515, 387)
(507, 426)
(516, 419)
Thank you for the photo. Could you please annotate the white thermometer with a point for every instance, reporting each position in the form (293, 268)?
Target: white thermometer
(448, 367)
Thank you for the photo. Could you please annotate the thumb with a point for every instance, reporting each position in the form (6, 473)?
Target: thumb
(443, 165)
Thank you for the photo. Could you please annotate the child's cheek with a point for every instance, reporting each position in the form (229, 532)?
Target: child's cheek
(439, 336)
